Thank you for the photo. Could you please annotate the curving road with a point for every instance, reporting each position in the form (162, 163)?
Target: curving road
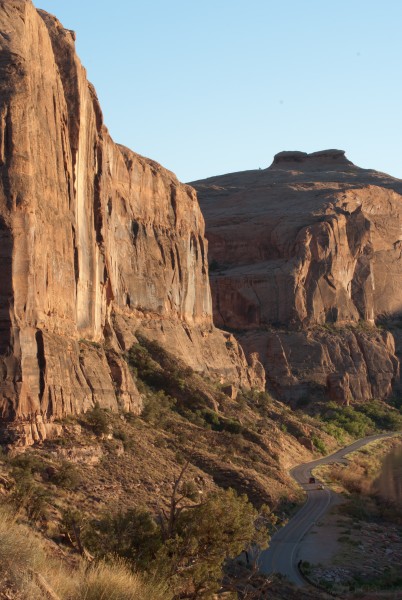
(282, 554)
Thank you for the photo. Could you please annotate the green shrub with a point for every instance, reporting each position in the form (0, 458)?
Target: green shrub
(232, 426)
(213, 419)
(28, 463)
(219, 423)
(146, 367)
(97, 419)
(255, 399)
(349, 419)
(361, 419)
(133, 535)
(160, 371)
(66, 476)
(382, 415)
(335, 431)
(157, 407)
(306, 567)
(195, 416)
(128, 441)
(396, 402)
(319, 444)
(204, 537)
(28, 495)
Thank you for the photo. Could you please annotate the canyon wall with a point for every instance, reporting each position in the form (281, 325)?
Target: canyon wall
(305, 260)
(96, 243)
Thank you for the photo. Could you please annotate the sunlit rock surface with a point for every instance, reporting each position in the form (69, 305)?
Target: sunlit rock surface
(305, 257)
(96, 242)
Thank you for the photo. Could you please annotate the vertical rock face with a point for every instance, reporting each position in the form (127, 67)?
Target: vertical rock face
(305, 258)
(96, 242)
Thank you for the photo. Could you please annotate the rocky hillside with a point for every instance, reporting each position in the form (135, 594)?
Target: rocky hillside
(305, 258)
(96, 243)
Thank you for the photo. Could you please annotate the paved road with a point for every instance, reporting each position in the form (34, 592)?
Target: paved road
(282, 555)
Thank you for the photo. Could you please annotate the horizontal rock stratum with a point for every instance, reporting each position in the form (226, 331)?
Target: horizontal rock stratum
(305, 257)
(96, 243)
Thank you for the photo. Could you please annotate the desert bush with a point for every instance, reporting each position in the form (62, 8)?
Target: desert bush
(157, 407)
(212, 418)
(27, 463)
(361, 419)
(194, 416)
(145, 366)
(219, 423)
(29, 496)
(319, 444)
(97, 419)
(390, 579)
(396, 402)
(186, 546)
(382, 415)
(360, 508)
(161, 372)
(335, 431)
(232, 426)
(257, 400)
(348, 418)
(66, 476)
(203, 538)
(354, 480)
(133, 535)
(128, 441)
(25, 567)
(24, 564)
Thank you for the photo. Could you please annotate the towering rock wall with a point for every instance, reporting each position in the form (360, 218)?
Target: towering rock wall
(305, 258)
(96, 243)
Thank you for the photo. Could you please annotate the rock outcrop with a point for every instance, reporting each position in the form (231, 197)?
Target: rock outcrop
(305, 259)
(96, 243)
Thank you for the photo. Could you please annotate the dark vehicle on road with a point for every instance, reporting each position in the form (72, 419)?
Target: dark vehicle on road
(311, 480)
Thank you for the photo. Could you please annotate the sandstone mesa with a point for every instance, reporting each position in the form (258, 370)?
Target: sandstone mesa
(306, 258)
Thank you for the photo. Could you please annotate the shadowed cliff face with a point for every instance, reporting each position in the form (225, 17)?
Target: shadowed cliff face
(311, 241)
(96, 242)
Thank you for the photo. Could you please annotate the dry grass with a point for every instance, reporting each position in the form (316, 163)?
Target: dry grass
(116, 582)
(29, 574)
(20, 554)
(354, 480)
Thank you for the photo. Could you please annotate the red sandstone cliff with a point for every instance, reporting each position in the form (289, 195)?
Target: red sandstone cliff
(305, 256)
(96, 243)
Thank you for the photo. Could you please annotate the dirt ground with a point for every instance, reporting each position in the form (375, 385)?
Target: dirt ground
(344, 554)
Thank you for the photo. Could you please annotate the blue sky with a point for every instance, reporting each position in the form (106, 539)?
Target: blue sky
(207, 87)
